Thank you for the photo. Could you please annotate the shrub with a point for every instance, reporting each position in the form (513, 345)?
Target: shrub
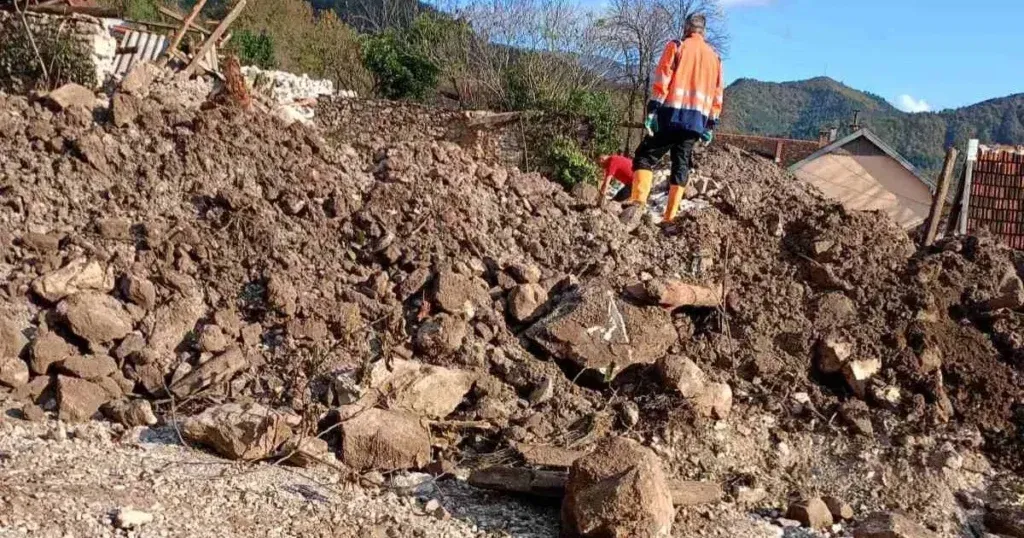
(570, 165)
(600, 114)
(254, 48)
(400, 71)
(66, 59)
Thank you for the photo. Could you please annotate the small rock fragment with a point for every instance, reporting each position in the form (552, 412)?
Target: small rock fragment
(833, 353)
(857, 373)
(695, 493)
(840, 510)
(812, 513)
(70, 95)
(282, 296)
(544, 391)
(140, 291)
(682, 374)
(238, 431)
(890, 525)
(212, 339)
(77, 399)
(441, 335)
(49, 348)
(384, 440)
(13, 372)
(715, 401)
(525, 300)
(130, 413)
(217, 370)
(525, 273)
(459, 294)
(77, 276)
(305, 451)
(89, 367)
(127, 518)
(96, 317)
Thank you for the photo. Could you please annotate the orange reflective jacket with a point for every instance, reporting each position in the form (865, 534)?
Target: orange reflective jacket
(688, 93)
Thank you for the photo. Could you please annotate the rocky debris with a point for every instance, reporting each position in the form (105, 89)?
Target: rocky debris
(95, 317)
(1011, 293)
(459, 294)
(840, 510)
(619, 489)
(672, 294)
(77, 399)
(128, 518)
(596, 330)
(525, 300)
(238, 431)
(13, 372)
(77, 276)
(140, 291)
(42, 243)
(130, 413)
(89, 367)
(384, 440)
(525, 273)
(212, 339)
(1006, 521)
(518, 480)
(12, 339)
(125, 109)
(441, 336)
(833, 352)
(215, 371)
(172, 322)
(890, 525)
(427, 391)
(138, 80)
(857, 415)
(69, 96)
(682, 375)
(282, 296)
(858, 372)
(694, 493)
(813, 513)
(715, 401)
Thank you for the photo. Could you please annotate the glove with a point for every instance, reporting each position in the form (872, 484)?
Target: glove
(651, 124)
(708, 136)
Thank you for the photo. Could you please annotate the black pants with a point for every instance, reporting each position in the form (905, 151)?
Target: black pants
(653, 148)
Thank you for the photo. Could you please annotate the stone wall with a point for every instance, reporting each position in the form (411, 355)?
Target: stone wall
(83, 31)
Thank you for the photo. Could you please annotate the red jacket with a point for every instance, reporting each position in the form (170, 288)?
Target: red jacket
(688, 93)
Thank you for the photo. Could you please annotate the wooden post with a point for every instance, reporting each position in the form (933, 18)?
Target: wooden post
(214, 38)
(965, 203)
(180, 34)
(940, 196)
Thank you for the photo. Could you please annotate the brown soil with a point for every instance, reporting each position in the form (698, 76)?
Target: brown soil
(320, 250)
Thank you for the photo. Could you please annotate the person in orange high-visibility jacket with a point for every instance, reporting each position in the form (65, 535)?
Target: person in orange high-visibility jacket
(686, 102)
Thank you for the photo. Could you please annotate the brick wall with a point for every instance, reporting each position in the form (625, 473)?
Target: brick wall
(997, 194)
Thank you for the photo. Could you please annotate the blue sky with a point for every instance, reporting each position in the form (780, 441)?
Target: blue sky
(918, 54)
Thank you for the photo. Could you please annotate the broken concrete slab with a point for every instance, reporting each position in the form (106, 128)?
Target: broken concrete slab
(217, 370)
(238, 431)
(890, 525)
(70, 95)
(812, 513)
(695, 493)
(77, 399)
(77, 276)
(619, 489)
(424, 390)
(682, 375)
(377, 439)
(96, 317)
(596, 330)
(549, 484)
(88, 367)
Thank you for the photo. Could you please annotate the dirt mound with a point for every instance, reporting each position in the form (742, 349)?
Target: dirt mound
(216, 256)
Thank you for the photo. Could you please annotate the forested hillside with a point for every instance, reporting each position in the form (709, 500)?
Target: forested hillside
(800, 109)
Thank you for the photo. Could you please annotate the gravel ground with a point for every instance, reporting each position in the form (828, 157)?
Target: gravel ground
(70, 481)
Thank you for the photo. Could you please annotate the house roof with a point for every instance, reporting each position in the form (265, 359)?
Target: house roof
(866, 134)
(996, 200)
(793, 150)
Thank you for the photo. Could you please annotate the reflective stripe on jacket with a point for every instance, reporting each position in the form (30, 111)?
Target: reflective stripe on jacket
(688, 92)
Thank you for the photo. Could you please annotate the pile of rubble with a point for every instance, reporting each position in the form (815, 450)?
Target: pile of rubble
(403, 302)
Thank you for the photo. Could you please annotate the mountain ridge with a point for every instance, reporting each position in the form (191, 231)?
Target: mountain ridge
(800, 109)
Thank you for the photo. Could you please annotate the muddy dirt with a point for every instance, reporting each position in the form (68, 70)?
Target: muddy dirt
(215, 256)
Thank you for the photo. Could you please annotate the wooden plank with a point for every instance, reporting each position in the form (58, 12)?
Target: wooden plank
(965, 203)
(941, 189)
(180, 34)
(214, 38)
(181, 18)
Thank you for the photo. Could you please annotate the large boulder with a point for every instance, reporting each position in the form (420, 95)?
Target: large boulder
(70, 95)
(96, 317)
(237, 431)
(596, 330)
(617, 491)
(47, 349)
(90, 367)
(77, 399)
(384, 440)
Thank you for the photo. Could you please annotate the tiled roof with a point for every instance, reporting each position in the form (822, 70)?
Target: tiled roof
(997, 194)
(788, 150)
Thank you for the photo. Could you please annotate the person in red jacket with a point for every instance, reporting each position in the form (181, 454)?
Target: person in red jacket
(621, 169)
(686, 102)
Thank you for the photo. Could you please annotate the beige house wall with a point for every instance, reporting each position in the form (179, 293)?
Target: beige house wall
(861, 176)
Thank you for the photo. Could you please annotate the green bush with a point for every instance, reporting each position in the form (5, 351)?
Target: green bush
(601, 115)
(400, 71)
(254, 48)
(570, 165)
(66, 60)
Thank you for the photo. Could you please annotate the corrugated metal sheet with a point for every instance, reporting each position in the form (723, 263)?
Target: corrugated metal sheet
(147, 47)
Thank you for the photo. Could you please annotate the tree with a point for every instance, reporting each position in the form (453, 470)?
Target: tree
(399, 70)
(637, 31)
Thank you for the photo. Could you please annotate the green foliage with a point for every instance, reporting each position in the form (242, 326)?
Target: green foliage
(254, 48)
(400, 70)
(570, 165)
(141, 10)
(800, 109)
(65, 58)
(600, 113)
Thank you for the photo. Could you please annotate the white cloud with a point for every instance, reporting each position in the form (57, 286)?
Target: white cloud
(907, 103)
(738, 3)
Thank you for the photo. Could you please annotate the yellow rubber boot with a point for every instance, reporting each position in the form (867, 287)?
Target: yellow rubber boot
(641, 188)
(675, 195)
